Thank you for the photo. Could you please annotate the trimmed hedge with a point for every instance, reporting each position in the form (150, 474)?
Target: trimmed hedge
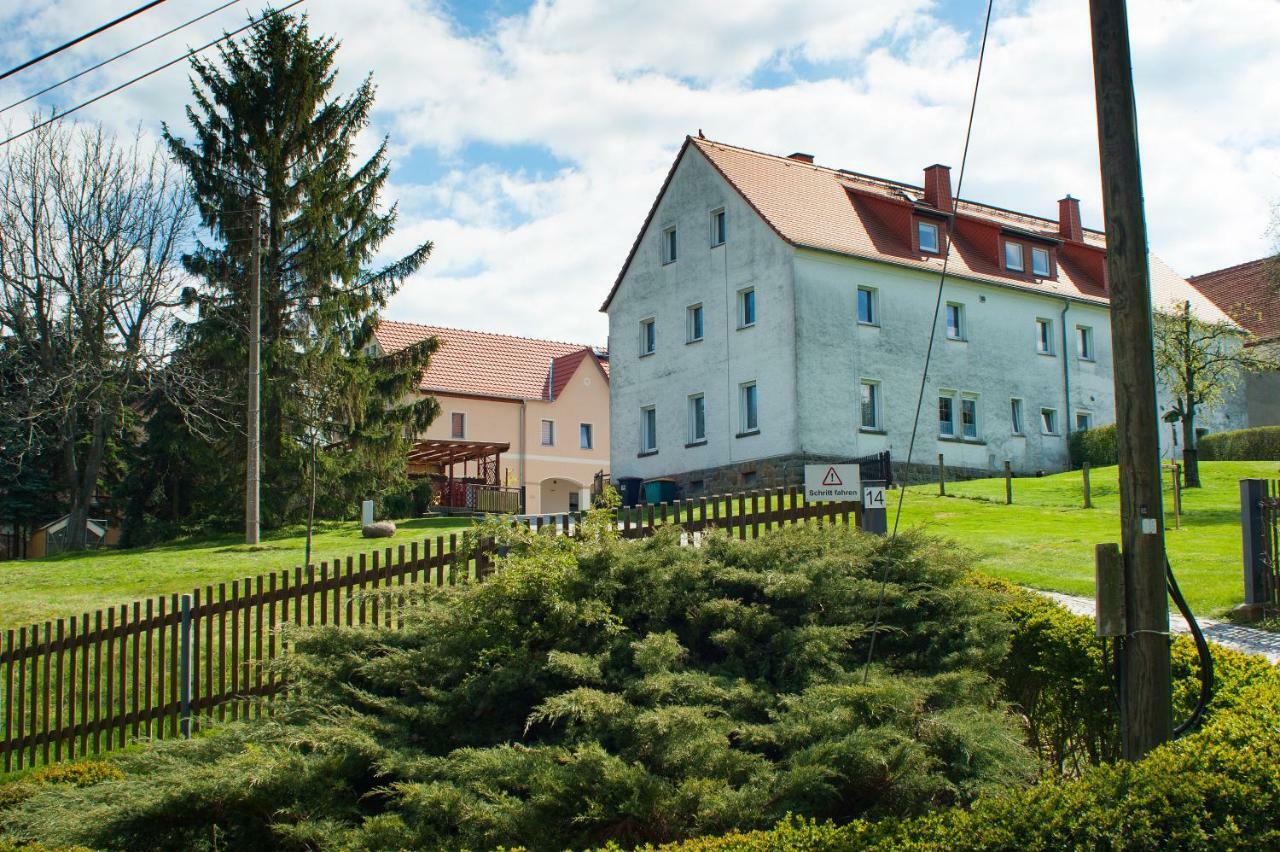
(1096, 446)
(1259, 444)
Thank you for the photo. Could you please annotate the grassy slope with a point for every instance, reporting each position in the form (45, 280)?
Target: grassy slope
(73, 583)
(1045, 540)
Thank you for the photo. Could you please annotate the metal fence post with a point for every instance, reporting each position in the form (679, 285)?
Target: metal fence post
(184, 666)
(1254, 540)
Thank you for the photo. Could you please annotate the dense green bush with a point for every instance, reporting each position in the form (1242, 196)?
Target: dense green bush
(1259, 444)
(1097, 446)
(597, 691)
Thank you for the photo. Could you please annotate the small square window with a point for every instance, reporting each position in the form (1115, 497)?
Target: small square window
(693, 324)
(747, 308)
(458, 425)
(586, 440)
(955, 321)
(870, 405)
(697, 418)
(927, 234)
(1084, 420)
(648, 429)
(1084, 342)
(1013, 257)
(1015, 415)
(669, 245)
(1049, 421)
(718, 231)
(1040, 262)
(748, 413)
(1044, 336)
(648, 336)
(946, 415)
(548, 433)
(868, 313)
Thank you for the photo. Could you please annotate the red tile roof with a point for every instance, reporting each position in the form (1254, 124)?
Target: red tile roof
(1249, 293)
(486, 364)
(855, 214)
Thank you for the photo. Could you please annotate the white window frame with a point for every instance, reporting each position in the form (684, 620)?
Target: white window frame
(648, 435)
(950, 431)
(748, 391)
(1088, 419)
(548, 435)
(971, 398)
(1053, 412)
(1044, 336)
(873, 306)
(719, 227)
(670, 247)
(645, 325)
(960, 320)
(694, 435)
(1022, 258)
(921, 227)
(876, 424)
(1017, 415)
(587, 431)
(689, 312)
(1084, 343)
(1036, 251)
(742, 308)
(452, 431)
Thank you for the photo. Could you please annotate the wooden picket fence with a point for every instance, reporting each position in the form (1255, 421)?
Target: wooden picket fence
(164, 667)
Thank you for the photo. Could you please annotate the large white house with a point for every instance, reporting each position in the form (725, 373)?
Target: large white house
(773, 311)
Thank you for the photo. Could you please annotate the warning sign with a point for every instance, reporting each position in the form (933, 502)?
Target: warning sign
(832, 482)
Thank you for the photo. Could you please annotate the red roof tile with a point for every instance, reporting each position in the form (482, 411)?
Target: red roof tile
(1249, 293)
(486, 364)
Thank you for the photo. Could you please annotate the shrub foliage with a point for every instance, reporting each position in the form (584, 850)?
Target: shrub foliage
(1261, 443)
(595, 692)
(1097, 446)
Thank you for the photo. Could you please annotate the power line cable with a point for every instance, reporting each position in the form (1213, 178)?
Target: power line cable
(933, 333)
(108, 25)
(141, 77)
(120, 55)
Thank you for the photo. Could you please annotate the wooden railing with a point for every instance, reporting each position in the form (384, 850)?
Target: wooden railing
(166, 666)
(496, 500)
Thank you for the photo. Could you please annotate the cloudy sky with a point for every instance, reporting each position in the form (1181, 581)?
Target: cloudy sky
(529, 140)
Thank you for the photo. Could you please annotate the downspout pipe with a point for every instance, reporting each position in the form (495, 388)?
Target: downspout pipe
(1066, 369)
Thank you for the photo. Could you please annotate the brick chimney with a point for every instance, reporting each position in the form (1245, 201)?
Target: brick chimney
(937, 186)
(803, 158)
(1069, 220)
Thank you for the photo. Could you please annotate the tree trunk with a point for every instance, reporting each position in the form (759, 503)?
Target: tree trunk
(1190, 453)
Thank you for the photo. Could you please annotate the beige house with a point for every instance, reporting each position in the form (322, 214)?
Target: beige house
(523, 425)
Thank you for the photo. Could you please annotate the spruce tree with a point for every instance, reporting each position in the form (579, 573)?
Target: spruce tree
(265, 120)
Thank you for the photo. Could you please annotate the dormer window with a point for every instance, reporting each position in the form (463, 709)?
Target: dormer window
(1013, 257)
(927, 234)
(1040, 262)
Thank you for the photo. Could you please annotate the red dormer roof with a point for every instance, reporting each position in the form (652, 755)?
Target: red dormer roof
(480, 363)
(1249, 293)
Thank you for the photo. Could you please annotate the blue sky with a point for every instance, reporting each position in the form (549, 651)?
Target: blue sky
(528, 140)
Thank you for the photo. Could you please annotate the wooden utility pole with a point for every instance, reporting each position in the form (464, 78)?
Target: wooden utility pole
(253, 472)
(1146, 711)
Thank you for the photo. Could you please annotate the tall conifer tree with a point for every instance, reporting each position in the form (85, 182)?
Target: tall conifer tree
(265, 120)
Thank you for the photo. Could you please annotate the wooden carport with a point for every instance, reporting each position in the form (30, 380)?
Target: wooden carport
(440, 459)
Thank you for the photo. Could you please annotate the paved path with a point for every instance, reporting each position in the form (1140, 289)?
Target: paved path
(1250, 640)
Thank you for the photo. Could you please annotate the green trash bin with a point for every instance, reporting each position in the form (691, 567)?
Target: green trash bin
(660, 491)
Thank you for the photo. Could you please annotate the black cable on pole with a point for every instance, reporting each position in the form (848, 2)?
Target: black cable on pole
(108, 25)
(933, 333)
(120, 55)
(1202, 649)
(141, 77)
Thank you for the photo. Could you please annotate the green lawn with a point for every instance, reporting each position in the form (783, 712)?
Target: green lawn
(38, 589)
(1045, 540)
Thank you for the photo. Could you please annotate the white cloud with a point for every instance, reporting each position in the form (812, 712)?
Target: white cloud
(609, 90)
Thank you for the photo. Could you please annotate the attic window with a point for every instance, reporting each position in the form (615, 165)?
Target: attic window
(927, 233)
(1040, 262)
(1013, 257)
(669, 245)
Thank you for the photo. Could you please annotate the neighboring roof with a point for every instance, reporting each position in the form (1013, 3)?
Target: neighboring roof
(481, 363)
(842, 211)
(1248, 292)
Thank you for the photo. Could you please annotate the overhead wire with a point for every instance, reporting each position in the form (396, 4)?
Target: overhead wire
(140, 77)
(108, 25)
(933, 334)
(120, 55)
